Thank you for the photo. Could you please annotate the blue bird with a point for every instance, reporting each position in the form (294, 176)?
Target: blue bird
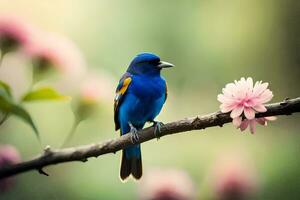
(140, 96)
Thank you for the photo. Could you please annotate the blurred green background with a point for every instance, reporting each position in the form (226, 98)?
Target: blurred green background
(211, 43)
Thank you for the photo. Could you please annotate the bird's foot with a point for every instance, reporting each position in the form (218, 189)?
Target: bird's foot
(134, 134)
(157, 128)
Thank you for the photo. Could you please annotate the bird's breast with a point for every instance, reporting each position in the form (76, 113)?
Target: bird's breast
(148, 88)
(146, 99)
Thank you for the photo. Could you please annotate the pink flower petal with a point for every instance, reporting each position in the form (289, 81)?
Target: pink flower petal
(266, 96)
(237, 122)
(250, 103)
(244, 125)
(261, 121)
(224, 99)
(260, 108)
(229, 91)
(250, 83)
(243, 80)
(249, 113)
(259, 88)
(220, 98)
(252, 126)
(236, 112)
(230, 88)
(226, 108)
(271, 118)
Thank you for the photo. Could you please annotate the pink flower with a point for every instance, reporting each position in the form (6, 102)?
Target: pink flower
(49, 49)
(171, 184)
(233, 178)
(13, 33)
(241, 97)
(8, 156)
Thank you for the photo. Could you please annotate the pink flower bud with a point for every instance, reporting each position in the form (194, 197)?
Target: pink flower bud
(8, 156)
(171, 184)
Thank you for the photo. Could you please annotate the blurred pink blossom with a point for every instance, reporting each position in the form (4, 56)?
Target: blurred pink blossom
(14, 33)
(49, 49)
(241, 97)
(97, 88)
(234, 179)
(171, 184)
(8, 156)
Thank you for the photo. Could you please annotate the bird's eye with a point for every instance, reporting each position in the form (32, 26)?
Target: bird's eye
(154, 62)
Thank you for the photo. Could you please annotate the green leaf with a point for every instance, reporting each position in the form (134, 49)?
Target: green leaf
(23, 114)
(5, 87)
(8, 106)
(44, 94)
(5, 97)
(5, 101)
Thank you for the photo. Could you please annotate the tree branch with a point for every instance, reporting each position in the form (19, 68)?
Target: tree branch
(82, 153)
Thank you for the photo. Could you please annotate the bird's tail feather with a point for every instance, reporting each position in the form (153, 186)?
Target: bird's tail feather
(125, 169)
(130, 165)
(136, 167)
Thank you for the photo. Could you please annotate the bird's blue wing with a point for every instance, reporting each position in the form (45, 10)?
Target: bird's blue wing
(120, 93)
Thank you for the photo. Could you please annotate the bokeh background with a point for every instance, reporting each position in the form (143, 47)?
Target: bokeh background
(211, 43)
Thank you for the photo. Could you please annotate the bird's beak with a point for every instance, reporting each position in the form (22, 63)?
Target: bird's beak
(163, 64)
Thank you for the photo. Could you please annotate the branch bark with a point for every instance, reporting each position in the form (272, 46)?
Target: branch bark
(82, 153)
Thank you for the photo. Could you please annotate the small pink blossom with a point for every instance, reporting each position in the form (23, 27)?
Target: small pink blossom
(49, 49)
(8, 156)
(242, 97)
(14, 33)
(159, 184)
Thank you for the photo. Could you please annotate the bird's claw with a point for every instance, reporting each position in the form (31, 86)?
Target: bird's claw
(134, 134)
(157, 128)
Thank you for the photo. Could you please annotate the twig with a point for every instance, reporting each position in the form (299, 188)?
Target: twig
(81, 153)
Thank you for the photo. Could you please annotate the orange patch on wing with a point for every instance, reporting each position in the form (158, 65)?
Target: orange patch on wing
(125, 85)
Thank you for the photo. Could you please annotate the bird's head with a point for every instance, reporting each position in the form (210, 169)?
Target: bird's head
(147, 63)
